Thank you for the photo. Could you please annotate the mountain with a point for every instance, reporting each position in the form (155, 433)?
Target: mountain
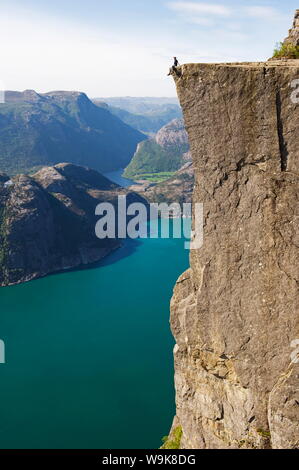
(145, 115)
(148, 123)
(166, 152)
(45, 129)
(234, 313)
(47, 221)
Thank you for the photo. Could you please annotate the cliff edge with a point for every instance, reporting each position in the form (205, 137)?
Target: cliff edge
(234, 313)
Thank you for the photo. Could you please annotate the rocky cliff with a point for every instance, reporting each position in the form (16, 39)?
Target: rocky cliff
(293, 37)
(235, 312)
(47, 221)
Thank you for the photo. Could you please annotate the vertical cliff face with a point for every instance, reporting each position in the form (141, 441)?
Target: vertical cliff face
(235, 312)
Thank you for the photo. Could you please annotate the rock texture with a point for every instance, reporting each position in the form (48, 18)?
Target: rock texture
(47, 221)
(235, 312)
(172, 134)
(293, 37)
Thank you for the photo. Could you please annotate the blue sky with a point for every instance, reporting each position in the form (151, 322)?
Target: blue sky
(124, 47)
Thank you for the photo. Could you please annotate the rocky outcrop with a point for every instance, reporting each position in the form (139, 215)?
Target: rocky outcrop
(293, 37)
(47, 221)
(166, 152)
(172, 134)
(235, 312)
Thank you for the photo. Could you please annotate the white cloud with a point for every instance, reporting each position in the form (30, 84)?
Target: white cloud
(202, 14)
(264, 13)
(210, 14)
(200, 8)
(201, 21)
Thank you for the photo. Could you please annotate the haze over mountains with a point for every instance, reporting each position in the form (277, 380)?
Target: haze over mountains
(147, 115)
(61, 126)
(140, 105)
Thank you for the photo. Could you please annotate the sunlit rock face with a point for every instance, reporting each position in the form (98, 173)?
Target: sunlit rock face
(235, 312)
(293, 37)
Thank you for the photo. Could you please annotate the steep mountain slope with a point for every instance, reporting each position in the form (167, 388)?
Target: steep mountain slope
(47, 221)
(45, 129)
(167, 151)
(234, 313)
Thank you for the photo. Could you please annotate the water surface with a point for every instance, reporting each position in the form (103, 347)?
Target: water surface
(89, 353)
(116, 177)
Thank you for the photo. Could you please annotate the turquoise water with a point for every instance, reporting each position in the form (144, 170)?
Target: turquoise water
(89, 353)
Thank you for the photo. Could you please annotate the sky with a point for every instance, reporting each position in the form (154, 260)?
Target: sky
(125, 47)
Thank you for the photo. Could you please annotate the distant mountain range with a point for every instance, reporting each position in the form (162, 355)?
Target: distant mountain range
(147, 115)
(139, 105)
(49, 128)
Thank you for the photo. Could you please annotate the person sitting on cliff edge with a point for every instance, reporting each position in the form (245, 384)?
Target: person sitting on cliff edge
(173, 69)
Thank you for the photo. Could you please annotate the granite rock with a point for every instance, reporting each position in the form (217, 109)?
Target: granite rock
(235, 312)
